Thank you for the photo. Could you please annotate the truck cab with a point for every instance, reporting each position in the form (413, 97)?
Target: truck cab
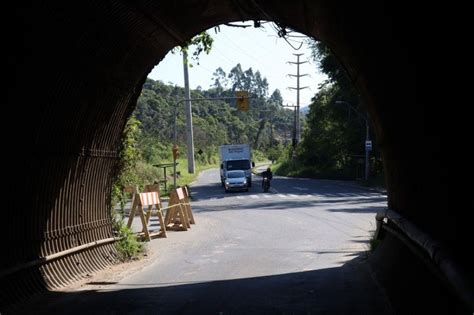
(236, 157)
(231, 165)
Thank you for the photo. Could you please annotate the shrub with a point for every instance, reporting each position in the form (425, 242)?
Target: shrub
(128, 247)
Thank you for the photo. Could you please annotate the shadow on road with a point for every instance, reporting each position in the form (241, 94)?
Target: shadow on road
(348, 289)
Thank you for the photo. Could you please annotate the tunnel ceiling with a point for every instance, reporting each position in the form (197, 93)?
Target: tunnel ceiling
(75, 72)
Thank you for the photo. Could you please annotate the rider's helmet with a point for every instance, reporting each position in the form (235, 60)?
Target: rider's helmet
(269, 170)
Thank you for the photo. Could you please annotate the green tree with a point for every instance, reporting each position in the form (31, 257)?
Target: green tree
(237, 78)
(201, 43)
(215, 122)
(220, 79)
(332, 142)
(129, 157)
(276, 98)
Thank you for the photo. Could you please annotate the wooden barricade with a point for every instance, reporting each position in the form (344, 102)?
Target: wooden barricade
(177, 217)
(133, 190)
(152, 188)
(187, 204)
(150, 200)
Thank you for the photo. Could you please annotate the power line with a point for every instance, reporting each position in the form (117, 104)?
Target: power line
(243, 51)
(232, 62)
(204, 68)
(297, 88)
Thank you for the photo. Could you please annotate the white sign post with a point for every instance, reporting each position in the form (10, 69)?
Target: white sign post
(368, 145)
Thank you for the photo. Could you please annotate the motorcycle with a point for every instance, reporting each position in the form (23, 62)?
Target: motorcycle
(266, 184)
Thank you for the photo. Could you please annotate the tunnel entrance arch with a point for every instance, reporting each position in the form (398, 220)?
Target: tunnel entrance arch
(92, 61)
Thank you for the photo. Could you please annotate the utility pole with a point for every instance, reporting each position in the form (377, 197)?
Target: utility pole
(175, 145)
(175, 130)
(298, 88)
(368, 146)
(293, 141)
(189, 116)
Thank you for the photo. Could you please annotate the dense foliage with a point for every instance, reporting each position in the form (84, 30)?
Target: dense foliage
(149, 134)
(215, 122)
(333, 134)
(333, 143)
(128, 246)
(130, 156)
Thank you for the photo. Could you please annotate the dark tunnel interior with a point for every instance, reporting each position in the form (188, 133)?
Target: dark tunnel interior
(74, 73)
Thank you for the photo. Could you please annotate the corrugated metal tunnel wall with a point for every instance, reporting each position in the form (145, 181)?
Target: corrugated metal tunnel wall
(74, 73)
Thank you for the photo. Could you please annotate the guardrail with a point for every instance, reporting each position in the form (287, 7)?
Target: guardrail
(49, 258)
(182, 201)
(431, 252)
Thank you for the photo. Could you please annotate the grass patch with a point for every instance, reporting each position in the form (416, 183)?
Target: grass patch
(295, 169)
(373, 242)
(184, 178)
(128, 247)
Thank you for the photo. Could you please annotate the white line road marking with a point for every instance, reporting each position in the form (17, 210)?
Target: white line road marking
(300, 188)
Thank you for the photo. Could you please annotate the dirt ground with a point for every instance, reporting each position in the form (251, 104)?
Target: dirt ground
(111, 274)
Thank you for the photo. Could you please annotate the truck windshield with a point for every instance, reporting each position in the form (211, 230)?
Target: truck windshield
(238, 165)
(236, 174)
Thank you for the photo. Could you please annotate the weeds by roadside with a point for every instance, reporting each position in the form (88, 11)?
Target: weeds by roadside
(128, 246)
(373, 243)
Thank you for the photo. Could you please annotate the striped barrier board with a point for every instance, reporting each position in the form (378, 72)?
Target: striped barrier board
(177, 217)
(151, 200)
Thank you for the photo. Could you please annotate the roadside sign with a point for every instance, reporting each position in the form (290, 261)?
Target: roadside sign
(175, 152)
(242, 100)
(368, 145)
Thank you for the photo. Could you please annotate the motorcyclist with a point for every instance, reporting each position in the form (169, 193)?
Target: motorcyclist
(268, 174)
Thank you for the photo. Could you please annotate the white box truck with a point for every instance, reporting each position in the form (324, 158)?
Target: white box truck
(236, 157)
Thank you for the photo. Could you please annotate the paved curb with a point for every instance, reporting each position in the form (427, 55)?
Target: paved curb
(352, 184)
(358, 186)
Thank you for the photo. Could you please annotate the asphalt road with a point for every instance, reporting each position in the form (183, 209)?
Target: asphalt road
(298, 249)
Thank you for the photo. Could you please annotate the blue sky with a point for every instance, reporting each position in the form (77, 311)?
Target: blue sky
(258, 48)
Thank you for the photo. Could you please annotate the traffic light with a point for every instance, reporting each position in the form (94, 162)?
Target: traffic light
(242, 100)
(175, 152)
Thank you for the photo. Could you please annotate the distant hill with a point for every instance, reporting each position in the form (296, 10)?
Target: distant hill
(214, 122)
